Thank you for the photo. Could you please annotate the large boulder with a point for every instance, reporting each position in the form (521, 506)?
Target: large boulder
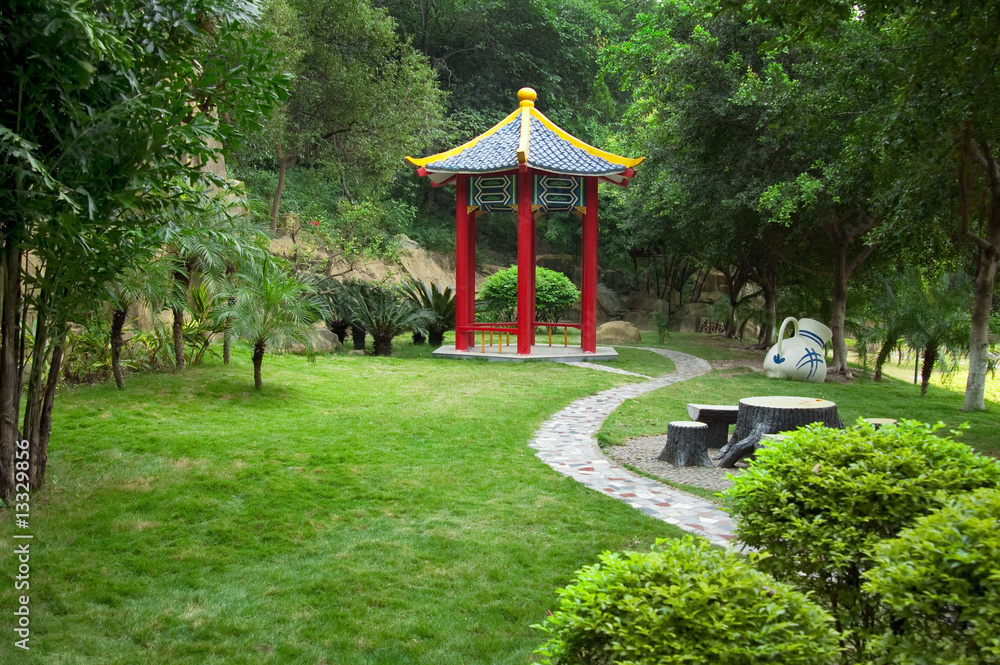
(323, 341)
(690, 317)
(618, 332)
(609, 304)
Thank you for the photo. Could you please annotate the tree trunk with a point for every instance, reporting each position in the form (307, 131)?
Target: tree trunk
(283, 160)
(418, 337)
(45, 424)
(930, 357)
(891, 340)
(227, 344)
(258, 360)
(838, 313)
(756, 420)
(178, 330)
(436, 336)
(980, 153)
(338, 328)
(383, 345)
(358, 337)
(117, 325)
(768, 290)
(10, 389)
(686, 444)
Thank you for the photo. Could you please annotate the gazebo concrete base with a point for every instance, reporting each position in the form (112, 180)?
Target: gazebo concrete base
(559, 354)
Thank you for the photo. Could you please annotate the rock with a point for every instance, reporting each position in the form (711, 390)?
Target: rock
(675, 298)
(563, 263)
(609, 304)
(356, 352)
(324, 341)
(618, 332)
(615, 281)
(639, 319)
(690, 317)
(643, 302)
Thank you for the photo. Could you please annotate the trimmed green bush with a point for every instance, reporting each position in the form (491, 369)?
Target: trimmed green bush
(683, 602)
(941, 580)
(822, 499)
(554, 294)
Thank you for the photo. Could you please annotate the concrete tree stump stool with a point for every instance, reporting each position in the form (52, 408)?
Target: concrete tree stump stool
(687, 444)
(718, 417)
(880, 422)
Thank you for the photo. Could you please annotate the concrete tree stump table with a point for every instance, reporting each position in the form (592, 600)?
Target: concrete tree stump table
(770, 415)
(687, 444)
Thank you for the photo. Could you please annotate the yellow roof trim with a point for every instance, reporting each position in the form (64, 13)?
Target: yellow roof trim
(597, 152)
(522, 146)
(424, 161)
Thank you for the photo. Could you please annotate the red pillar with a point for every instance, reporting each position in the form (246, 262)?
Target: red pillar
(470, 280)
(525, 265)
(463, 289)
(588, 295)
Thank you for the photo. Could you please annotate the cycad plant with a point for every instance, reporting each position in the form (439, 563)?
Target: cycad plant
(439, 304)
(270, 308)
(384, 313)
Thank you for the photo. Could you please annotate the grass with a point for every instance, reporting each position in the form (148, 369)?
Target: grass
(355, 510)
(891, 398)
(640, 361)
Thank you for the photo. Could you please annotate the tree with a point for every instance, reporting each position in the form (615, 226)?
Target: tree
(105, 109)
(707, 164)
(207, 248)
(148, 284)
(362, 98)
(270, 309)
(942, 124)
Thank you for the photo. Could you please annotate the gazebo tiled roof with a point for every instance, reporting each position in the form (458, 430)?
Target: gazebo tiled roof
(526, 139)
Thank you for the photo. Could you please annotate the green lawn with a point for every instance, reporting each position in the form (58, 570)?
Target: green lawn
(356, 510)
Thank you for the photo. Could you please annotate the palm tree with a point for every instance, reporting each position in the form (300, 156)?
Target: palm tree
(384, 313)
(270, 308)
(440, 304)
(209, 249)
(148, 284)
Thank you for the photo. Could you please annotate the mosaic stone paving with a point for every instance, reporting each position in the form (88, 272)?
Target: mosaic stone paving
(567, 443)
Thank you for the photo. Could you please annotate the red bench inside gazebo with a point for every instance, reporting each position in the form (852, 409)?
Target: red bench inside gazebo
(528, 165)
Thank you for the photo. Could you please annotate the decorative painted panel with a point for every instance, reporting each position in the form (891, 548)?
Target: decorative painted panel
(493, 192)
(558, 192)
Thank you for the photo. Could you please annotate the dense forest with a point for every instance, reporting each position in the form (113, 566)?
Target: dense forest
(832, 159)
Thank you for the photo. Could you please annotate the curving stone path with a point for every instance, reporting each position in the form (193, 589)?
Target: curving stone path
(567, 442)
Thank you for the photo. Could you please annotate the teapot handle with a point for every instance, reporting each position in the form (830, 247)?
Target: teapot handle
(781, 332)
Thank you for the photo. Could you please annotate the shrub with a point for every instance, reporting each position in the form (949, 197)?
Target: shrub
(440, 306)
(821, 500)
(554, 294)
(683, 602)
(941, 581)
(661, 324)
(383, 313)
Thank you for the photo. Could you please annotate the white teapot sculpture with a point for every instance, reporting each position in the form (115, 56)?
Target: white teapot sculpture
(799, 357)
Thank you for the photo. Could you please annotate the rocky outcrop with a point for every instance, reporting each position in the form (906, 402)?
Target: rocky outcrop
(618, 332)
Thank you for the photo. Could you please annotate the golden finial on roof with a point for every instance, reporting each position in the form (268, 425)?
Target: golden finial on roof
(527, 96)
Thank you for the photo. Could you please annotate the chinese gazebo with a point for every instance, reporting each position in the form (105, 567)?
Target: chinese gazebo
(529, 165)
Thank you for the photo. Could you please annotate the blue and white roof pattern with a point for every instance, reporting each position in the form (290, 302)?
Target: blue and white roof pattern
(526, 139)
